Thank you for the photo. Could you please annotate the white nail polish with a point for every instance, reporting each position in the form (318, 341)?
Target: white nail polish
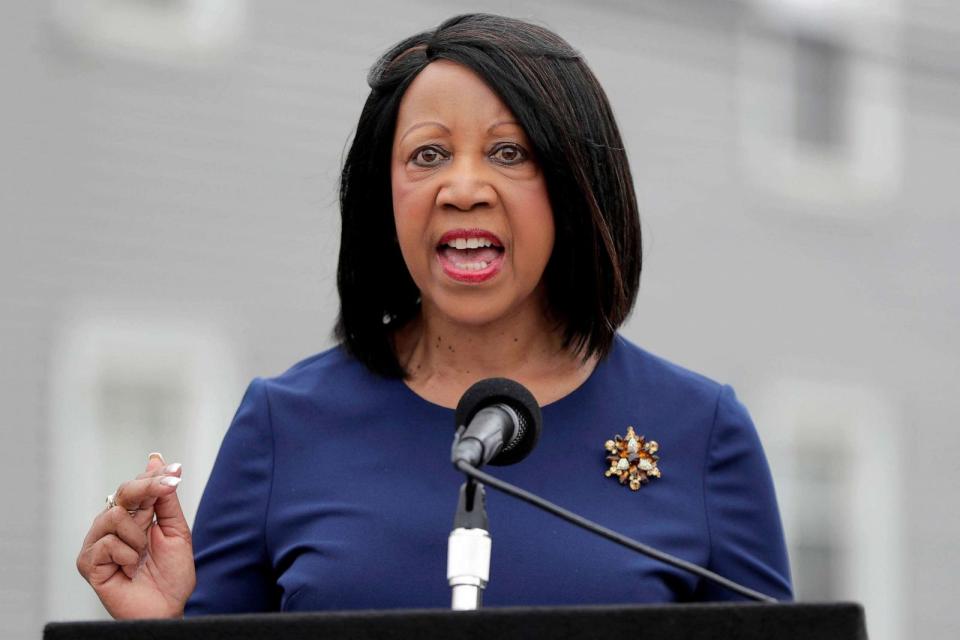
(155, 454)
(170, 481)
(172, 468)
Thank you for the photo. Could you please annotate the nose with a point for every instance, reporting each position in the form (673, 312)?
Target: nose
(466, 186)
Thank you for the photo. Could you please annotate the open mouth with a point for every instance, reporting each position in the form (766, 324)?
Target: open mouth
(470, 255)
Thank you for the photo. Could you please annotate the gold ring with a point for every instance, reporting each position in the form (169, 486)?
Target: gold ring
(112, 502)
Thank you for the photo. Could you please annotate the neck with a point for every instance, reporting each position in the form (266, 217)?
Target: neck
(443, 358)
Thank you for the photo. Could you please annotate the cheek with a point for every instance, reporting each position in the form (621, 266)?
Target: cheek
(537, 226)
(400, 193)
(411, 198)
(410, 220)
(544, 244)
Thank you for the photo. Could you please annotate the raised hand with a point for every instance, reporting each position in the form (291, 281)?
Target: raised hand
(138, 555)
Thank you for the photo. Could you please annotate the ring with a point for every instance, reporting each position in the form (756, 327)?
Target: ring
(112, 502)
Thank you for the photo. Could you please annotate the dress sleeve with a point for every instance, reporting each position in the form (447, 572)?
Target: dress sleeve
(746, 536)
(234, 573)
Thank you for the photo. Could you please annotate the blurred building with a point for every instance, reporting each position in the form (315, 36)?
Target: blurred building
(168, 230)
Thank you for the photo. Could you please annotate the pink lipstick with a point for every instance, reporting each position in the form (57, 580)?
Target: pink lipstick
(470, 255)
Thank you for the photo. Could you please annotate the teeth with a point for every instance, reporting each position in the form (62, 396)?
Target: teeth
(470, 243)
(473, 266)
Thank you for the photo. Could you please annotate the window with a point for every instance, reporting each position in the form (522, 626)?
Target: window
(819, 106)
(821, 92)
(177, 31)
(830, 445)
(121, 387)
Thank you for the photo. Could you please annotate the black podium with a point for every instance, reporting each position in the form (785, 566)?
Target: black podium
(720, 621)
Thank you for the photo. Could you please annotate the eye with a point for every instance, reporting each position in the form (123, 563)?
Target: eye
(428, 156)
(509, 154)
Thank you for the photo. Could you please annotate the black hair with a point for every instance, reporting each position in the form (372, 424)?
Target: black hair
(593, 274)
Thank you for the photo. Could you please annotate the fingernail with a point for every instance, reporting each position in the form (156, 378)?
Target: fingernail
(157, 455)
(172, 468)
(170, 481)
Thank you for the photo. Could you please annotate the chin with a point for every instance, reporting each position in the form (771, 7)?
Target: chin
(478, 308)
(471, 313)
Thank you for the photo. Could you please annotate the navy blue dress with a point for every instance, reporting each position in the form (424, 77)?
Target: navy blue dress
(333, 489)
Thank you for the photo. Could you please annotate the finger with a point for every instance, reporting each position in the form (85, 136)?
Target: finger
(144, 515)
(116, 521)
(128, 530)
(154, 461)
(142, 493)
(109, 550)
(113, 550)
(130, 570)
(154, 470)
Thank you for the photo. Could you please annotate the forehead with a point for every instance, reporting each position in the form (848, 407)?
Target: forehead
(452, 94)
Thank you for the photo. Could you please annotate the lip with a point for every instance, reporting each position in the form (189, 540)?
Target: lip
(469, 276)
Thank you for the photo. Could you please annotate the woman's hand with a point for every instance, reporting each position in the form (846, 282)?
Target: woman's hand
(141, 568)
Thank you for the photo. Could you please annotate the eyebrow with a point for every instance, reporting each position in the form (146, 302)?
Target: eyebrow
(433, 123)
(503, 123)
(420, 125)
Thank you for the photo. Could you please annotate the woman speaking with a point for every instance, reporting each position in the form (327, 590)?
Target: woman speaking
(489, 228)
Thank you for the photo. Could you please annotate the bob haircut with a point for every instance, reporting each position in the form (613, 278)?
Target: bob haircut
(593, 274)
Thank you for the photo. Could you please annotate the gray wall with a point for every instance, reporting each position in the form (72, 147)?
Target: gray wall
(201, 188)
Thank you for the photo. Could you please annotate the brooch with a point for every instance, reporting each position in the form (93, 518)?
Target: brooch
(632, 459)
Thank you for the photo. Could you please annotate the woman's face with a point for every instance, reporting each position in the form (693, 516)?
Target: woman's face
(470, 203)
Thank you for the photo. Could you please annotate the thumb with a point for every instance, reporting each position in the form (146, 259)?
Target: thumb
(170, 518)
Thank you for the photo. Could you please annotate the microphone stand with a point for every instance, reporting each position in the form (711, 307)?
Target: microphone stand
(468, 549)
(535, 500)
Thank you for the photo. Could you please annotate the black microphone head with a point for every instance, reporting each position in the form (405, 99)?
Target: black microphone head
(492, 391)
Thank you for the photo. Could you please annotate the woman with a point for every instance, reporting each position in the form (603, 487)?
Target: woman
(489, 229)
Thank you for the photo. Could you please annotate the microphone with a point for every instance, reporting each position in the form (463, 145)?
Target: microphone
(498, 423)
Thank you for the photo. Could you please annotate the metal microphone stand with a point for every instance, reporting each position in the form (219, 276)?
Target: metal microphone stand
(468, 549)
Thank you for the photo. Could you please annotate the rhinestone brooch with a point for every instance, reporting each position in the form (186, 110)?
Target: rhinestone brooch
(633, 459)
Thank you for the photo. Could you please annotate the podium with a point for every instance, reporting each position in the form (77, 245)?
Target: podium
(712, 621)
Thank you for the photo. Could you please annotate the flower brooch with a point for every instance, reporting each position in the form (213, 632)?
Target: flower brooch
(632, 459)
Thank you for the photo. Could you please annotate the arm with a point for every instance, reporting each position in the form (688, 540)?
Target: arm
(746, 536)
(234, 573)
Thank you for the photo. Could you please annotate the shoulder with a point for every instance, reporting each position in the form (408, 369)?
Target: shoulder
(655, 376)
(329, 388)
(702, 413)
(329, 372)
(334, 360)
(699, 407)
